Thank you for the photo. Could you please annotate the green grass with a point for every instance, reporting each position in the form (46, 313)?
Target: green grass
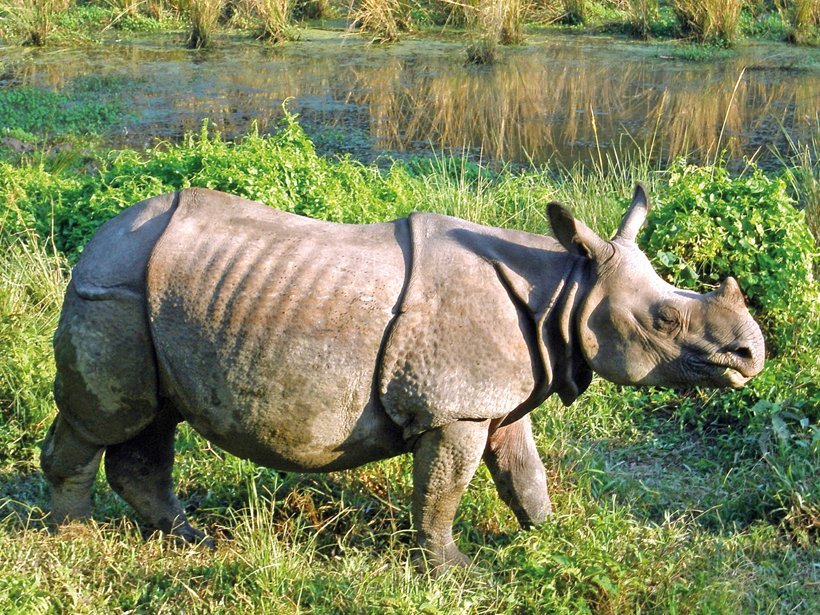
(664, 502)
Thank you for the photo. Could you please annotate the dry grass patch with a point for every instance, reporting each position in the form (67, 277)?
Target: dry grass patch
(710, 21)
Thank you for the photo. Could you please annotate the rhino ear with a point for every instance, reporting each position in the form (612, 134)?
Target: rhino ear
(635, 216)
(575, 236)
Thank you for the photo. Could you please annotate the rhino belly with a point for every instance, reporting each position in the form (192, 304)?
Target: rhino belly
(268, 330)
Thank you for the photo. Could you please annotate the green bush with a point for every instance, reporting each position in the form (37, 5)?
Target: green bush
(282, 170)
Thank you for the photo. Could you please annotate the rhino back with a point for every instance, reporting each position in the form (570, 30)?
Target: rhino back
(268, 328)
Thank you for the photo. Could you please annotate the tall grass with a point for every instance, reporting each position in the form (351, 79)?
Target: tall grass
(312, 9)
(379, 19)
(203, 15)
(802, 19)
(710, 21)
(33, 20)
(494, 22)
(275, 19)
(32, 281)
(642, 13)
(801, 166)
(575, 11)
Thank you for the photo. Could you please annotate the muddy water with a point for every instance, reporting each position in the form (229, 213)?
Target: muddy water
(561, 98)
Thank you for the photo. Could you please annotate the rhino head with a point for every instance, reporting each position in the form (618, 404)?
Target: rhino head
(636, 329)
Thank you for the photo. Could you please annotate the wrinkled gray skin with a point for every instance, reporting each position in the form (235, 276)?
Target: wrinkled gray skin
(310, 346)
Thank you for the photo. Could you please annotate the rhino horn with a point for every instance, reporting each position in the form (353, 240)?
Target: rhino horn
(634, 218)
(729, 294)
(574, 235)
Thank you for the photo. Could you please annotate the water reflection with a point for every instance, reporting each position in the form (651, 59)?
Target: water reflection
(563, 99)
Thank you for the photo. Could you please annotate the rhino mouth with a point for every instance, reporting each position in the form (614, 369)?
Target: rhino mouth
(735, 377)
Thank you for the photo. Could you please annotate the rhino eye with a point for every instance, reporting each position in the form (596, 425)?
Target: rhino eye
(667, 319)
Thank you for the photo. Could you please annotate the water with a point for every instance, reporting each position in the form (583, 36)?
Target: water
(559, 98)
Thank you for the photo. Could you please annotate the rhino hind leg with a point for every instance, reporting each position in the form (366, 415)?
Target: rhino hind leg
(140, 469)
(70, 463)
(517, 471)
(444, 461)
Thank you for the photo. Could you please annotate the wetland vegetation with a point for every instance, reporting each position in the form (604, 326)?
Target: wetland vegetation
(666, 501)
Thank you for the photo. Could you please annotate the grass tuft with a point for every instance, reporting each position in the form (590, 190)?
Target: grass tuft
(33, 20)
(203, 15)
(275, 18)
(710, 21)
(379, 19)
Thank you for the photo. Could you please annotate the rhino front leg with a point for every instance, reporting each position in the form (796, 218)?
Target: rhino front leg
(517, 471)
(444, 461)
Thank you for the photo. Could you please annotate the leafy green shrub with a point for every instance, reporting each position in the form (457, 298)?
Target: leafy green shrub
(709, 225)
(282, 170)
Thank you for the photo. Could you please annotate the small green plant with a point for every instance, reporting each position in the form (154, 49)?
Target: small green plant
(710, 21)
(204, 15)
(46, 113)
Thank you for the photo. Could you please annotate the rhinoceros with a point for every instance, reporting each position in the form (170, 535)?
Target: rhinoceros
(312, 346)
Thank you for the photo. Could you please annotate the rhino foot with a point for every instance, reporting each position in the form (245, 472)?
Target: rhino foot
(436, 560)
(188, 534)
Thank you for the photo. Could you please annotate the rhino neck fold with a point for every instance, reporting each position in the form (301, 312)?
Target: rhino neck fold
(571, 374)
(557, 346)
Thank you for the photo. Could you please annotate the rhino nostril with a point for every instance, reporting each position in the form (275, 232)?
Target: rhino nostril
(742, 352)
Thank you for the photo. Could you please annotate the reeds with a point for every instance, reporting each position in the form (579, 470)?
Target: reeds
(204, 15)
(575, 11)
(494, 22)
(710, 21)
(33, 19)
(379, 19)
(641, 15)
(801, 18)
(275, 19)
